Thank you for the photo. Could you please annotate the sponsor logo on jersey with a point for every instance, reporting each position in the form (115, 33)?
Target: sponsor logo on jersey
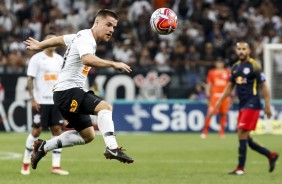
(48, 77)
(240, 80)
(85, 70)
(220, 82)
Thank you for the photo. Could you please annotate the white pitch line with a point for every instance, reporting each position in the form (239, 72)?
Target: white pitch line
(9, 155)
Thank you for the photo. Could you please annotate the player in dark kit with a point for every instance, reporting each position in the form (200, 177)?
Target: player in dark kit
(247, 77)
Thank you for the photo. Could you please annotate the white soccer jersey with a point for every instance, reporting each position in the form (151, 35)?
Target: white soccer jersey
(45, 70)
(74, 73)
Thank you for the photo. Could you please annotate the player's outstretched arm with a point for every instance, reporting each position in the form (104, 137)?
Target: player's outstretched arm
(92, 60)
(266, 96)
(226, 93)
(208, 89)
(33, 44)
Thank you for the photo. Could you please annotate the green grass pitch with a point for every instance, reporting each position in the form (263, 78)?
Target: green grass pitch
(163, 158)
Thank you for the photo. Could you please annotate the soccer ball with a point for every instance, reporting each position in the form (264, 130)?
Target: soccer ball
(163, 21)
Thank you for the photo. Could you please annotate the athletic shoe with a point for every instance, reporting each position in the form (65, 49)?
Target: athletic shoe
(59, 171)
(272, 160)
(38, 152)
(25, 169)
(237, 171)
(118, 154)
(203, 136)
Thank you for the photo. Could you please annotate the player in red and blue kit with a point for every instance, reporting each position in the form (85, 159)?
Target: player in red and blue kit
(247, 77)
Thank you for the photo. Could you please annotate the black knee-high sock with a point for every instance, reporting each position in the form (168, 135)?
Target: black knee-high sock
(255, 146)
(242, 153)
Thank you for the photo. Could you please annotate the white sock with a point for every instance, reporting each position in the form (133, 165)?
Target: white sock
(66, 139)
(106, 127)
(56, 156)
(29, 147)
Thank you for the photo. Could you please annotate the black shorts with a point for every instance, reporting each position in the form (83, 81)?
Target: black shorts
(47, 116)
(76, 105)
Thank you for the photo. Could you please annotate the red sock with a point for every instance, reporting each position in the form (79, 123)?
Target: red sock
(56, 168)
(272, 154)
(25, 166)
(240, 168)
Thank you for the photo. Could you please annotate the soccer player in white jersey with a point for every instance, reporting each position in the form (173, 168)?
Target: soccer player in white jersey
(42, 74)
(74, 103)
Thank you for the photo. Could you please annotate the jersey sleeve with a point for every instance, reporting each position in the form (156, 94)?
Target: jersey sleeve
(261, 77)
(84, 46)
(32, 68)
(68, 38)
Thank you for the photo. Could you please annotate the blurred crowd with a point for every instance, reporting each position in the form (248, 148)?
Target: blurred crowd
(207, 30)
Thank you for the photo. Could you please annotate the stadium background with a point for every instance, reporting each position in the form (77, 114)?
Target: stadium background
(173, 66)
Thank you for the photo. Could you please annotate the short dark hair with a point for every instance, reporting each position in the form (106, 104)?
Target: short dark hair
(106, 12)
(244, 41)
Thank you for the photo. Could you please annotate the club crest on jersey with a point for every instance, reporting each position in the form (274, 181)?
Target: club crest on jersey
(246, 71)
(240, 80)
